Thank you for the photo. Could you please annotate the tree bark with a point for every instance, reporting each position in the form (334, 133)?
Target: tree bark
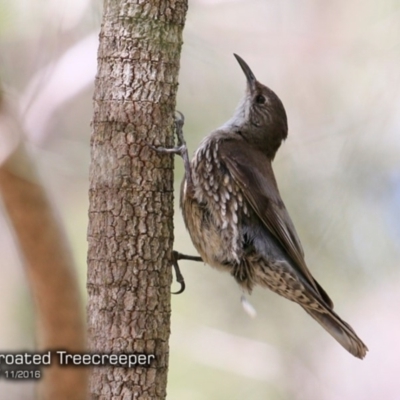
(130, 231)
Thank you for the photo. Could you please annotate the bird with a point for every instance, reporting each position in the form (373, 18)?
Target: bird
(234, 213)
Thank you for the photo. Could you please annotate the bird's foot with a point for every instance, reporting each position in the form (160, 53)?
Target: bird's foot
(179, 121)
(181, 149)
(179, 277)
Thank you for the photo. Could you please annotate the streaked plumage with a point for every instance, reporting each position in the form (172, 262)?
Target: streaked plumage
(236, 217)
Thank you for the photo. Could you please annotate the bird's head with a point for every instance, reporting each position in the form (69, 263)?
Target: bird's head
(260, 118)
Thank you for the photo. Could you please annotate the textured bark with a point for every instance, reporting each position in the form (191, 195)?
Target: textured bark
(131, 193)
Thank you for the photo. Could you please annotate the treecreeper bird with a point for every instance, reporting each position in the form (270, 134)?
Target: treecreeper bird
(235, 215)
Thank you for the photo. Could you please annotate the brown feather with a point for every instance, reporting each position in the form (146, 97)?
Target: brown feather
(259, 186)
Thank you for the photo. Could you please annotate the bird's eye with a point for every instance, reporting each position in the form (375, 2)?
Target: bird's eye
(260, 99)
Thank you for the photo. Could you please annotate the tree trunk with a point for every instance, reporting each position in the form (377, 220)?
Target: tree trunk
(130, 231)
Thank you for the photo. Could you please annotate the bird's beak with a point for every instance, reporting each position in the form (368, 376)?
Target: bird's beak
(251, 79)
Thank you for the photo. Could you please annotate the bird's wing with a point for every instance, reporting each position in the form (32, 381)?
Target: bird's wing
(253, 173)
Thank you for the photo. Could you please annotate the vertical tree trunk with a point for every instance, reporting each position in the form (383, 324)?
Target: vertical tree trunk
(131, 193)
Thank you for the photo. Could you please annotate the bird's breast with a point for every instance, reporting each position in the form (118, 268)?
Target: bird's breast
(214, 208)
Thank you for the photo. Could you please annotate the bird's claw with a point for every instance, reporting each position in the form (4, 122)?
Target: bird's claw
(179, 277)
(171, 150)
(181, 149)
(179, 118)
(179, 121)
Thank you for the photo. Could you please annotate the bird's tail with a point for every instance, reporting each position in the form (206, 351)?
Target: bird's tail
(340, 330)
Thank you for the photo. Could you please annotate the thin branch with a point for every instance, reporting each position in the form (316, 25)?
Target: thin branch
(50, 270)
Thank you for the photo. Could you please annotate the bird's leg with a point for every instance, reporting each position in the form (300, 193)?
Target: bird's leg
(179, 277)
(181, 150)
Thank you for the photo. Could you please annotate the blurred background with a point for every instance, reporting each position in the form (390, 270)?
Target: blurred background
(336, 67)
